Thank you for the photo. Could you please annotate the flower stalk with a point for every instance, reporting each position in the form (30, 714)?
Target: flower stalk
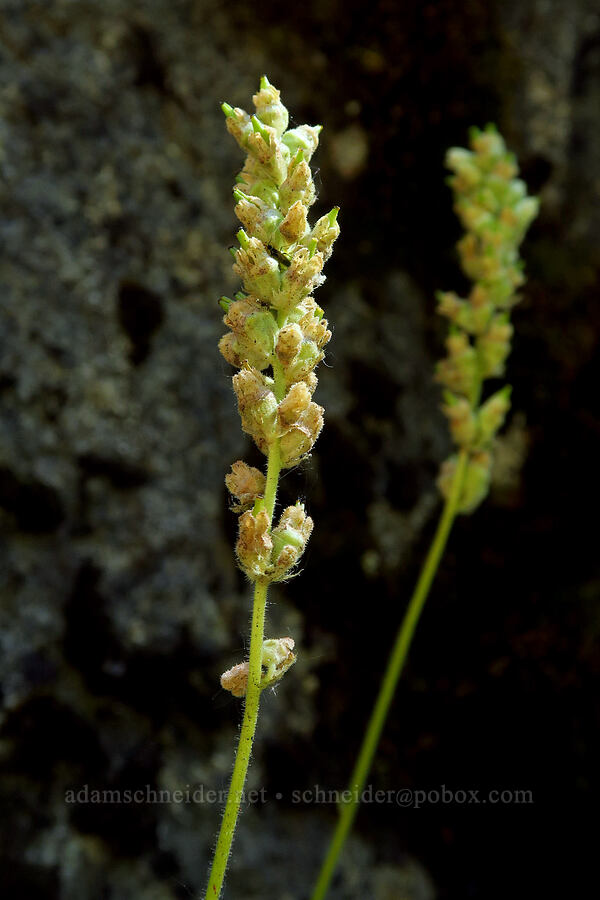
(276, 338)
(494, 208)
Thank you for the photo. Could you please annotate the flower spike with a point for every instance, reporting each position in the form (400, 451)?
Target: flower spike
(275, 338)
(493, 206)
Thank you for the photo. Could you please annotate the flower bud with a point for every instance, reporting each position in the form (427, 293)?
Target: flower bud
(506, 167)
(492, 414)
(325, 232)
(289, 341)
(299, 439)
(525, 212)
(297, 186)
(269, 107)
(257, 406)
(254, 329)
(294, 404)
(473, 216)
(254, 544)
(502, 292)
(493, 346)
(289, 540)
(458, 345)
(515, 191)
(245, 483)
(313, 325)
(256, 216)
(469, 251)
(487, 144)
(472, 316)
(270, 556)
(272, 155)
(277, 658)
(299, 345)
(305, 138)
(450, 305)
(252, 181)
(300, 279)
(235, 679)
(468, 173)
(462, 420)
(258, 270)
(304, 363)
(238, 124)
(459, 370)
(294, 226)
(489, 197)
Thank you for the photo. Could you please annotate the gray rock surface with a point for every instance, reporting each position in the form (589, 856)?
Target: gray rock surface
(119, 600)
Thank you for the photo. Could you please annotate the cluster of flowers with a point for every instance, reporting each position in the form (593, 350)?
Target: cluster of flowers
(493, 206)
(276, 330)
(275, 324)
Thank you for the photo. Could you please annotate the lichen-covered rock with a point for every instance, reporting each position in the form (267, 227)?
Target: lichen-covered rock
(119, 598)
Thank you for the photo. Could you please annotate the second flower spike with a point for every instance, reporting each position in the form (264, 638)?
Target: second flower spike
(493, 206)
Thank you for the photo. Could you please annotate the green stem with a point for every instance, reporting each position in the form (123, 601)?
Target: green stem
(244, 749)
(242, 759)
(273, 470)
(348, 810)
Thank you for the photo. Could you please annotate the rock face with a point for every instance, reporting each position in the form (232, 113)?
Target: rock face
(119, 600)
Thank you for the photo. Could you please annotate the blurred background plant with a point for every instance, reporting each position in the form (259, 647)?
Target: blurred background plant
(493, 207)
(120, 601)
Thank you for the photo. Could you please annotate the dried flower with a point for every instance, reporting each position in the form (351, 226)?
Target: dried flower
(277, 657)
(254, 544)
(246, 484)
(270, 554)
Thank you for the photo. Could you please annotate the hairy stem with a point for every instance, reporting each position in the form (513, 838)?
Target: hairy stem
(244, 749)
(273, 470)
(348, 810)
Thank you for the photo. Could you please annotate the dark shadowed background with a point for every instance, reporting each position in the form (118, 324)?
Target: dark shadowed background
(120, 600)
